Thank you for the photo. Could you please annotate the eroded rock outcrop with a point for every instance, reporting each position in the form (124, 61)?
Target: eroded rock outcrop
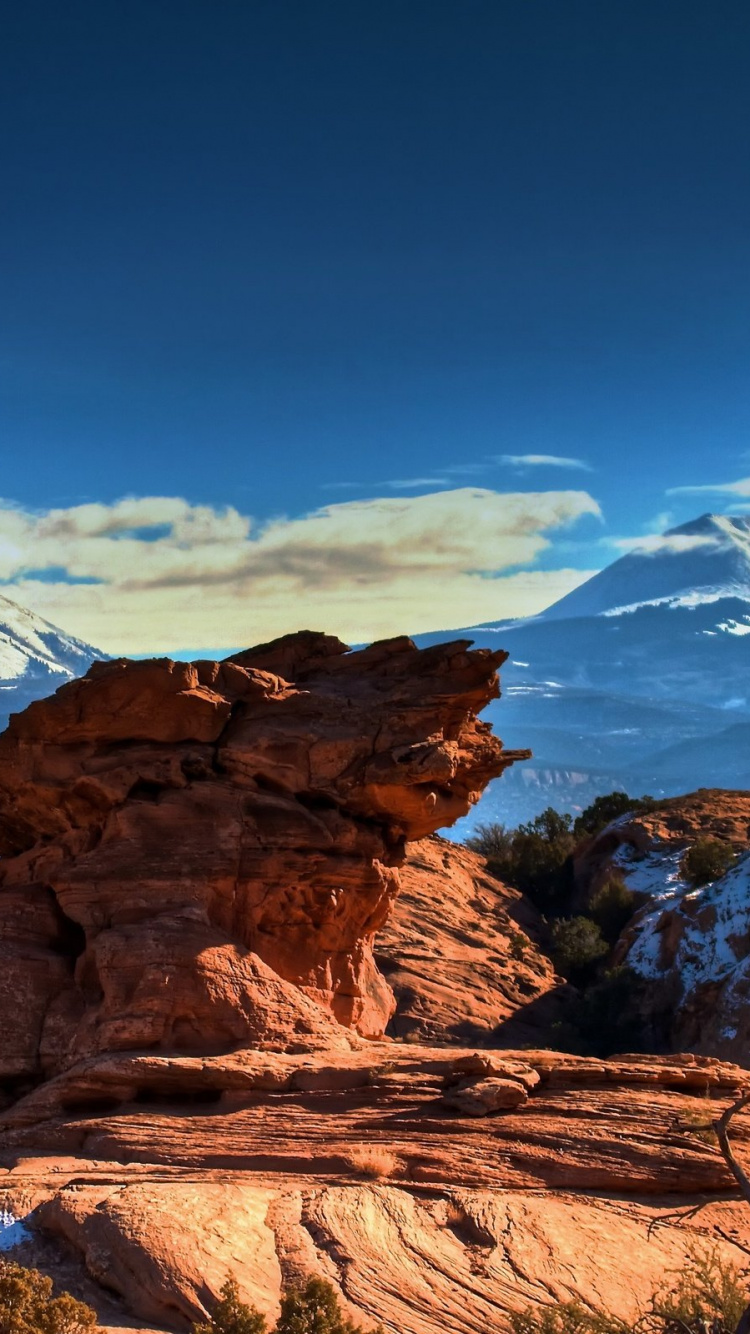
(690, 945)
(461, 952)
(197, 856)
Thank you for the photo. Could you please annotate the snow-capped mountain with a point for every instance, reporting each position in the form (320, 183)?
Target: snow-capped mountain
(701, 562)
(35, 658)
(639, 678)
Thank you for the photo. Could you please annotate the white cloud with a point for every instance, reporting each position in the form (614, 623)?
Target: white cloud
(172, 574)
(740, 488)
(542, 461)
(659, 544)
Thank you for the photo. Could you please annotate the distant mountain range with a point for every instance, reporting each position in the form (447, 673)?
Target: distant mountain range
(638, 679)
(35, 658)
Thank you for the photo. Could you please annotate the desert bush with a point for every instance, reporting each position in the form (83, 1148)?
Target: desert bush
(603, 810)
(706, 860)
(609, 1016)
(27, 1305)
(707, 1296)
(577, 946)
(315, 1309)
(373, 1160)
(708, 1293)
(611, 907)
(566, 1318)
(534, 858)
(232, 1316)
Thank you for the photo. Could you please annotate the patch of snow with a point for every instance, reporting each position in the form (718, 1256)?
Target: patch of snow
(13, 1231)
(714, 944)
(698, 597)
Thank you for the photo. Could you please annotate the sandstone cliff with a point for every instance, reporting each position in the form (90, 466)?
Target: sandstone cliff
(195, 862)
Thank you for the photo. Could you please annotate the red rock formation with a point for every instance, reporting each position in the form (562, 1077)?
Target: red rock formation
(459, 950)
(197, 856)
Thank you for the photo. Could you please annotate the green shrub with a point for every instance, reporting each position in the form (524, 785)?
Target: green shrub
(28, 1307)
(608, 1016)
(706, 860)
(611, 907)
(566, 1318)
(603, 810)
(534, 858)
(314, 1309)
(577, 946)
(706, 1296)
(232, 1316)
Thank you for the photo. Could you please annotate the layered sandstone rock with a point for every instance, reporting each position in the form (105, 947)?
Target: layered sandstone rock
(460, 950)
(589, 1180)
(197, 856)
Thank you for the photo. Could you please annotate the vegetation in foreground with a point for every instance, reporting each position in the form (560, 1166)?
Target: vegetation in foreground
(707, 1296)
(27, 1305)
(313, 1309)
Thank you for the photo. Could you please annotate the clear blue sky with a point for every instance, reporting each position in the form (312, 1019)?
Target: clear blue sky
(279, 254)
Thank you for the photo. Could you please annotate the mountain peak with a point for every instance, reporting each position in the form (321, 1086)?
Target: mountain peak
(703, 560)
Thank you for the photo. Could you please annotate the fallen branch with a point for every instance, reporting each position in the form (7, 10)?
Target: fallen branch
(721, 1127)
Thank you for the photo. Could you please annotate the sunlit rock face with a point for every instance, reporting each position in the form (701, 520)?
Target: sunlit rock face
(198, 856)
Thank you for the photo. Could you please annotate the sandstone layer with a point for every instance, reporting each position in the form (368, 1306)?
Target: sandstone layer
(365, 1168)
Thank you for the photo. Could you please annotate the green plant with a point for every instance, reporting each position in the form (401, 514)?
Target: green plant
(566, 1318)
(706, 860)
(603, 810)
(708, 1293)
(519, 944)
(28, 1307)
(706, 1296)
(534, 858)
(315, 1309)
(577, 946)
(611, 907)
(231, 1315)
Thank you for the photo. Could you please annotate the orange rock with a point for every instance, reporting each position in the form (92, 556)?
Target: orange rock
(199, 855)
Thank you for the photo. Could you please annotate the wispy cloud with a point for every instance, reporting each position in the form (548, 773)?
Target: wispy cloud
(414, 483)
(740, 488)
(541, 461)
(170, 573)
(663, 544)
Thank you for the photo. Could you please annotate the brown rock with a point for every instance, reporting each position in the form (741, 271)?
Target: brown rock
(460, 952)
(480, 1097)
(198, 856)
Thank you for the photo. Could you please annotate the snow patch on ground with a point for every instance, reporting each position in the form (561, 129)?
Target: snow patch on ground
(714, 945)
(13, 1231)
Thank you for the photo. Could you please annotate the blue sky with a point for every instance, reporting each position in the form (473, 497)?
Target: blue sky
(267, 257)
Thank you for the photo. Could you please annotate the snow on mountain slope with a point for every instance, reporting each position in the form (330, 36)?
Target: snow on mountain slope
(700, 562)
(30, 646)
(35, 658)
(694, 945)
